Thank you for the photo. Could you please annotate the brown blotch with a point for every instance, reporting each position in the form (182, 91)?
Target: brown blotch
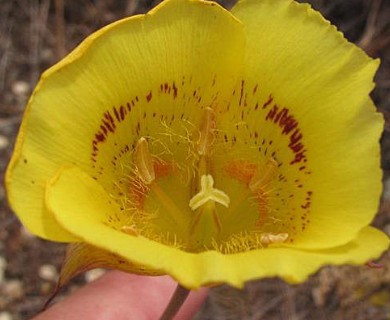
(100, 137)
(122, 112)
(107, 126)
(174, 90)
(289, 126)
(241, 92)
(166, 87)
(268, 102)
(116, 113)
(149, 96)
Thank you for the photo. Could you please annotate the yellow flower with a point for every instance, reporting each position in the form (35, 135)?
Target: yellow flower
(213, 146)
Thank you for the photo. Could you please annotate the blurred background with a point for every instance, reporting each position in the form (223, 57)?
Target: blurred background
(34, 34)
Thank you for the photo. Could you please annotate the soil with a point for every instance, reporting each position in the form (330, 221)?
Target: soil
(35, 34)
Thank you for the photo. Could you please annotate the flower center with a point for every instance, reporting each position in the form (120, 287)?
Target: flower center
(203, 181)
(192, 212)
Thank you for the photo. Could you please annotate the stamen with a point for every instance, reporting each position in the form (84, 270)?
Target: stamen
(167, 203)
(207, 128)
(269, 238)
(144, 161)
(129, 230)
(208, 192)
(262, 178)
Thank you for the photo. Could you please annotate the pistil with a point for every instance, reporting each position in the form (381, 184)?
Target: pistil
(206, 226)
(208, 193)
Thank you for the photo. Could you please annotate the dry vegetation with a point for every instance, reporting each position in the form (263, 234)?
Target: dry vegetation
(35, 34)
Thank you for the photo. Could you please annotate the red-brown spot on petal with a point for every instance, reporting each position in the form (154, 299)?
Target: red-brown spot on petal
(288, 124)
(116, 113)
(149, 96)
(306, 205)
(174, 90)
(122, 112)
(104, 129)
(268, 102)
(100, 137)
(241, 92)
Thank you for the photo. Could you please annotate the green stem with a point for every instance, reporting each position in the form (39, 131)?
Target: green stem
(177, 300)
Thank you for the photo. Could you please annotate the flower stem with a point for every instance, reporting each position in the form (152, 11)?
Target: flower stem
(177, 300)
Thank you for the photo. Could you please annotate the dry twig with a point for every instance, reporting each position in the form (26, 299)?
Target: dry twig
(370, 30)
(60, 29)
(38, 20)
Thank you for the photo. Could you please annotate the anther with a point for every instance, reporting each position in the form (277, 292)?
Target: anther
(144, 161)
(129, 230)
(269, 238)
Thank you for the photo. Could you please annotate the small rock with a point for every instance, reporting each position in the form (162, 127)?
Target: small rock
(26, 235)
(94, 274)
(46, 288)
(20, 88)
(5, 316)
(3, 142)
(318, 297)
(47, 55)
(48, 272)
(3, 266)
(13, 289)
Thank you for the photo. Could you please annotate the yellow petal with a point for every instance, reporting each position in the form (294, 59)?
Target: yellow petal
(303, 102)
(294, 265)
(82, 206)
(81, 257)
(148, 73)
(85, 209)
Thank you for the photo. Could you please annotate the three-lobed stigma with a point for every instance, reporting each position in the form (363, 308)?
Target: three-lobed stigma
(208, 193)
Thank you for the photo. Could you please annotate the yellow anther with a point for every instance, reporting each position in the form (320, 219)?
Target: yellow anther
(130, 230)
(144, 161)
(269, 238)
(207, 193)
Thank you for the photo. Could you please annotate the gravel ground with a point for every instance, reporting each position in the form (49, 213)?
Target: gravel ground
(35, 34)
